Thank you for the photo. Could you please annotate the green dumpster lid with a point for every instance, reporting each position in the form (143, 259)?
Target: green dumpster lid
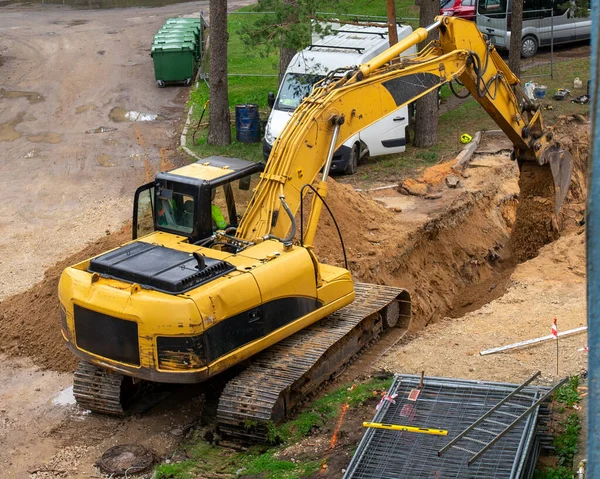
(171, 41)
(181, 26)
(174, 47)
(183, 20)
(188, 37)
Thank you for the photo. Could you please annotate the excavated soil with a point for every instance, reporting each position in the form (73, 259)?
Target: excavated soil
(450, 252)
(537, 224)
(29, 321)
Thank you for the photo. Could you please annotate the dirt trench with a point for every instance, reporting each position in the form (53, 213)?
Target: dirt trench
(451, 252)
(450, 249)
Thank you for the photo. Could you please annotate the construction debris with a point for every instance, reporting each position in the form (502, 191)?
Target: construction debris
(533, 341)
(453, 405)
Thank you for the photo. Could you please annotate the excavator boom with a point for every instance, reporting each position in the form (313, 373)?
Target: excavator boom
(347, 101)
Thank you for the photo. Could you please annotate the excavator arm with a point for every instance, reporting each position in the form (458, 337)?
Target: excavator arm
(349, 100)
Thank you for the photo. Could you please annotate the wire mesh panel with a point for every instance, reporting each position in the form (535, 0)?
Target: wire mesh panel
(452, 405)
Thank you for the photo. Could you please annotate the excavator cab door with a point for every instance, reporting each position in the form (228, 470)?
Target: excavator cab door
(143, 211)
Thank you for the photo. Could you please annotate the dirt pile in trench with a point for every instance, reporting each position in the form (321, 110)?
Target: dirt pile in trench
(537, 223)
(30, 321)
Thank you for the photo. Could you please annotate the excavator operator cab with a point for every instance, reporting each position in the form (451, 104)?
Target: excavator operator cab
(197, 199)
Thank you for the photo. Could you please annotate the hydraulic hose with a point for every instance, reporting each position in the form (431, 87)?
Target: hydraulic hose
(287, 241)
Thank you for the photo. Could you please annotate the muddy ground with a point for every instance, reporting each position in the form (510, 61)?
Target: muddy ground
(69, 159)
(448, 247)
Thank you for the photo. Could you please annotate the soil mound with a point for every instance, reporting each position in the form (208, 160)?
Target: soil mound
(454, 258)
(30, 321)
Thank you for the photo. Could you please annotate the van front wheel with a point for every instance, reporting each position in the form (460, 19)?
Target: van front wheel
(529, 46)
(353, 160)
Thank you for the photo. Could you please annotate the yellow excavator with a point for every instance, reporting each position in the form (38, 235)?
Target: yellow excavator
(198, 291)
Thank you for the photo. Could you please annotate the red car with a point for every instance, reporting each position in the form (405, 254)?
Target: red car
(458, 8)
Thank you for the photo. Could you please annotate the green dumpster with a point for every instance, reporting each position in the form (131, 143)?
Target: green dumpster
(173, 28)
(183, 20)
(177, 37)
(174, 62)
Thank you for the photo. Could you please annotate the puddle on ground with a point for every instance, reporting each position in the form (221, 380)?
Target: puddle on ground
(84, 108)
(70, 23)
(31, 96)
(31, 154)
(45, 137)
(101, 129)
(119, 114)
(7, 129)
(105, 160)
(110, 142)
(64, 398)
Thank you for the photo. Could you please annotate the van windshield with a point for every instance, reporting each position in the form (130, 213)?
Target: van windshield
(492, 8)
(294, 88)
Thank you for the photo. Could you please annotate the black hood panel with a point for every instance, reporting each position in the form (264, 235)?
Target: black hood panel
(157, 267)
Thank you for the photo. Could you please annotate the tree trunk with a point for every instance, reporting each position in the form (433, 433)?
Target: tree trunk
(426, 122)
(516, 27)
(286, 54)
(392, 27)
(219, 128)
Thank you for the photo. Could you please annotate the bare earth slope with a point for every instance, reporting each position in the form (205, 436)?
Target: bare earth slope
(552, 285)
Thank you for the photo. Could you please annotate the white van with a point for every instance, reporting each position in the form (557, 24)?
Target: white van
(346, 45)
(542, 20)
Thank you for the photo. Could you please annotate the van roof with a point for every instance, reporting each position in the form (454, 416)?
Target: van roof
(352, 37)
(346, 45)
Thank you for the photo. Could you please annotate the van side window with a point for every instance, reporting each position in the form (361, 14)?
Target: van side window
(560, 7)
(492, 8)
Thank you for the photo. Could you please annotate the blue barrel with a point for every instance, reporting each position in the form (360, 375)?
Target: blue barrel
(247, 123)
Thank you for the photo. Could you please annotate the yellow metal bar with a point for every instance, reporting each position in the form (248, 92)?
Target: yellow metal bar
(398, 427)
(386, 56)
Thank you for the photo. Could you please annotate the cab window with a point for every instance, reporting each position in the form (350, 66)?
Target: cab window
(231, 200)
(175, 211)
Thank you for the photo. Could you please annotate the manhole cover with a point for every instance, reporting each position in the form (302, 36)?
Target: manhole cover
(126, 458)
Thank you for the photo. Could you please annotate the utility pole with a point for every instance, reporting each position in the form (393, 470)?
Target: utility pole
(391, 15)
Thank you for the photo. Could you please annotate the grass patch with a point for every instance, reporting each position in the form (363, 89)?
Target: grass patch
(203, 459)
(568, 394)
(564, 73)
(327, 408)
(566, 434)
(246, 61)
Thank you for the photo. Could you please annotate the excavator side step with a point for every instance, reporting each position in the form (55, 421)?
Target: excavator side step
(281, 377)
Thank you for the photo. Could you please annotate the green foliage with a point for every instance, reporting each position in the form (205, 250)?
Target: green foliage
(327, 408)
(430, 155)
(560, 472)
(181, 470)
(568, 393)
(267, 466)
(566, 443)
(288, 24)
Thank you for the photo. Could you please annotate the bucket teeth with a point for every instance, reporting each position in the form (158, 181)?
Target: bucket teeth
(561, 165)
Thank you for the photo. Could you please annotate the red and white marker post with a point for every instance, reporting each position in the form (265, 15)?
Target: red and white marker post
(555, 334)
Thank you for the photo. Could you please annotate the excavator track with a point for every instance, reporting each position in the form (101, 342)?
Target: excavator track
(98, 389)
(281, 377)
(107, 392)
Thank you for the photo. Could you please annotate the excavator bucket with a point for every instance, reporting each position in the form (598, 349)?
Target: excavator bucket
(561, 165)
